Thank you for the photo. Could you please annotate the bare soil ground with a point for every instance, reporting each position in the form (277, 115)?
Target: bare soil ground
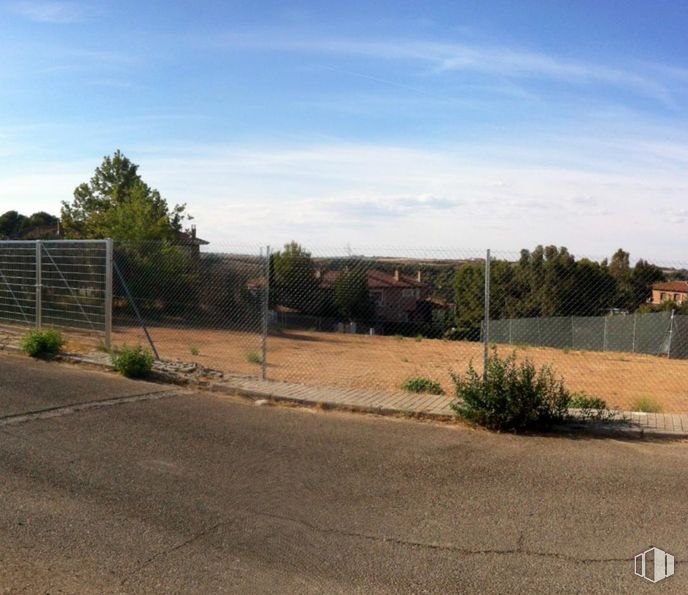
(382, 363)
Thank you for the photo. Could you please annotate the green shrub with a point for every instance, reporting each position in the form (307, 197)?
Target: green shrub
(511, 396)
(133, 362)
(42, 342)
(419, 384)
(194, 350)
(253, 357)
(583, 401)
(646, 404)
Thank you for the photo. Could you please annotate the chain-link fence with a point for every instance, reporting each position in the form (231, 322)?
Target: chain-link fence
(369, 319)
(372, 320)
(206, 307)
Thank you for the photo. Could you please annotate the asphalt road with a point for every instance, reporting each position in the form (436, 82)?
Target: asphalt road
(200, 493)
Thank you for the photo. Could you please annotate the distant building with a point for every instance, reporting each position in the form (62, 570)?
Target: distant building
(191, 243)
(670, 291)
(397, 297)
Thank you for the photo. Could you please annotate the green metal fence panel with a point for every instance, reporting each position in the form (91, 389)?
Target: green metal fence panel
(499, 331)
(556, 332)
(633, 333)
(652, 332)
(679, 338)
(588, 333)
(619, 332)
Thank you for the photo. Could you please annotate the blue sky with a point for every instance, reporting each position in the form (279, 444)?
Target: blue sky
(457, 125)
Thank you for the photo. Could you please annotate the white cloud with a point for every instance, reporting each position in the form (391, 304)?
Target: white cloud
(379, 197)
(53, 12)
(506, 62)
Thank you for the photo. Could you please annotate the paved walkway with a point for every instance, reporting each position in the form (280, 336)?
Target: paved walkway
(343, 398)
(667, 424)
(398, 403)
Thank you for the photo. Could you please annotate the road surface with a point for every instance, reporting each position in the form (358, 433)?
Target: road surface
(176, 491)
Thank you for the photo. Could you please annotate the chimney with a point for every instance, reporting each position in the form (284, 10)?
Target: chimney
(193, 231)
(419, 277)
(396, 274)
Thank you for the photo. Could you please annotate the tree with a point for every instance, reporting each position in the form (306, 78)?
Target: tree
(351, 295)
(11, 224)
(292, 278)
(620, 270)
(643, 276)
(40, 225)
(117, 203)
(469, 292)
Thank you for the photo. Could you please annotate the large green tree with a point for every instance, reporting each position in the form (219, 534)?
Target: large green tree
(293, 281)
(351, 295)
(17, 226)
(117, 203)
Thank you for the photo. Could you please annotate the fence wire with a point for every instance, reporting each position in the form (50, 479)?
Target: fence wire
(60, 284)
(369, 319)
(373, 319)
(202, 307)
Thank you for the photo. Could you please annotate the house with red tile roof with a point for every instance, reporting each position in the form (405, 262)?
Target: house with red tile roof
(397, 297)
(670, 291)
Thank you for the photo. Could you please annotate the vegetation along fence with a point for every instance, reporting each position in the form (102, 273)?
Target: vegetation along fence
(366, 318)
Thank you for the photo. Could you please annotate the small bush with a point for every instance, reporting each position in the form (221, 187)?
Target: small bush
(583, 401)
(133, 362)
(511, 396)
(253, 357)
(646, 404)
(194, 350)
(419, 384)
(42, 342)
(418, 338)
(399, 337)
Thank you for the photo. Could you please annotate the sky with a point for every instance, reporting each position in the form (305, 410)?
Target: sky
(382, 127)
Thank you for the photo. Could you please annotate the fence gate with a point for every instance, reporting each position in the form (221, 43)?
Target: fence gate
(65, 284)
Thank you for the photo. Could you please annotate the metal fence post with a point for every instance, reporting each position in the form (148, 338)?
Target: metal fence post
(604, 334)
(573, 334)
(108, 294)
(635, 320)
(39, 284)
(671, 333)
(266, 314)
(486, 325)
(136, 310)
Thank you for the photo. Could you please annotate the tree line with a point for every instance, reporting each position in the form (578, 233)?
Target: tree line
(117, 203)
(549, 281)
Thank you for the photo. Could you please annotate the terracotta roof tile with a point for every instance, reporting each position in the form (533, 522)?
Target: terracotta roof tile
(679, 286)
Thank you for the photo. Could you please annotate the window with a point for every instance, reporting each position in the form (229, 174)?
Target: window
(407, 293)
(662, 297)
(378, 297)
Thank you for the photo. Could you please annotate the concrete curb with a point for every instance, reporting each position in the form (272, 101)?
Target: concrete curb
(328, 405)
(620, 429)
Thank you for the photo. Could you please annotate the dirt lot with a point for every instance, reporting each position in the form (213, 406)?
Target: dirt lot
(383, 363)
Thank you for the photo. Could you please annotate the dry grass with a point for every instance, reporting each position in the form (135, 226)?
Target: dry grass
(382, 363)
